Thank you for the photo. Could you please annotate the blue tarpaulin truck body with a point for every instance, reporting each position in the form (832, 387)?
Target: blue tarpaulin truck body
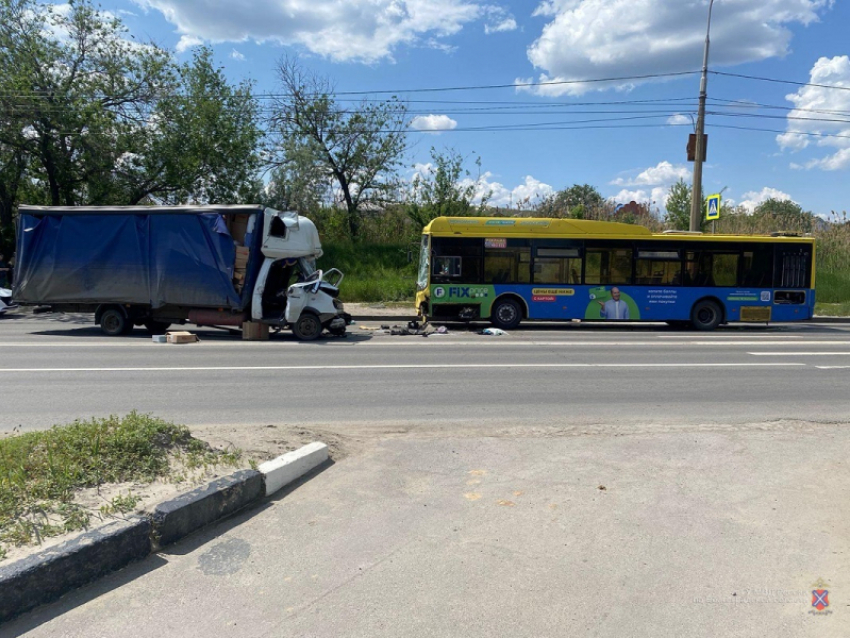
(147, 256)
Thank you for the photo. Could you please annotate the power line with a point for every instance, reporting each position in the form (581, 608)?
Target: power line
(779, 81)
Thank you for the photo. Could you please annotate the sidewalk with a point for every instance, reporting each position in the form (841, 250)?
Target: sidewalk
(663, 532)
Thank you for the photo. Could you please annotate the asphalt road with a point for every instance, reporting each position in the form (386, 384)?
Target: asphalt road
(57, 369)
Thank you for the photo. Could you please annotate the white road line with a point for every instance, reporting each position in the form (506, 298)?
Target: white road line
(428, 343)
(800, 354)
(833, 367)
(411, 366)
(727, 336)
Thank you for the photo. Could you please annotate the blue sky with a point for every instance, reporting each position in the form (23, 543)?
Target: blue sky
(375, 45)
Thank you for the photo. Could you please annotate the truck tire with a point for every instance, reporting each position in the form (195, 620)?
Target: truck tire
(706, 315)
(113, 323)
(308, 327)
(157, 327)
(506, 314)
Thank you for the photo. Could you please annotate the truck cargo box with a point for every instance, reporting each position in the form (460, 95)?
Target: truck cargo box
(151, 256)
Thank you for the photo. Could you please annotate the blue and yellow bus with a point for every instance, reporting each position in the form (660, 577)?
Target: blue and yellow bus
(507, 270)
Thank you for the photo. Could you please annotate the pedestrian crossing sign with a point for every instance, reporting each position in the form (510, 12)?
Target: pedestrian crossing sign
(712, 207)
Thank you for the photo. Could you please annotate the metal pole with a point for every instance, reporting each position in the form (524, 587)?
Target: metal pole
(696, 199)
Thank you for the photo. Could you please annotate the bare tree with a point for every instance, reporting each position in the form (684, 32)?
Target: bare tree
(359, 149)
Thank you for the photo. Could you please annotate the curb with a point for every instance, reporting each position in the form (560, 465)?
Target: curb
(292, 465)
(46, 576)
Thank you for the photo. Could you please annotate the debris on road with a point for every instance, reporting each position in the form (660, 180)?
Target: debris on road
(493, 332)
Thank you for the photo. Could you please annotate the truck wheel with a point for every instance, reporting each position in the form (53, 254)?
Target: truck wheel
(308, 327)
(706, 315)
(157, 327)
(113, 323)
(506, 314)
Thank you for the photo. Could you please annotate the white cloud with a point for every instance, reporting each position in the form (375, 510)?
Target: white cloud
(524, 195)
(614, 38)
(433, 123)
(754, 198)
(237, 56)
(187, 42)
(664, 173)
(656, 197)
(362, 30)
(498, 20)
(678, 120)
(816, 104)
(508, 24)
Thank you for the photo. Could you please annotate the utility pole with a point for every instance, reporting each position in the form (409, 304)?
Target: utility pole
(696, 200)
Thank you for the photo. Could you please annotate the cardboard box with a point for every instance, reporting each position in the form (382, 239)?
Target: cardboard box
(239, 276)
(255, 331)
(239, 228)
(181, 337)
(242, 251)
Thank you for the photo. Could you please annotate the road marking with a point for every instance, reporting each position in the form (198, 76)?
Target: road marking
(800, 354)
(432, 342)
(833, 367)
(725, 336)
(410, 366)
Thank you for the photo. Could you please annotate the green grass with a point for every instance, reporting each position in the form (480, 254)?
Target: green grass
(373, 272)
(41, 471)
(832, 287)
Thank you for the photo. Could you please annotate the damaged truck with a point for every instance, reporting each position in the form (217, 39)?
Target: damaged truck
(155, 266)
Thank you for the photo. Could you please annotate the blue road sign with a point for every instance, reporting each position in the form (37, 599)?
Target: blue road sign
(712, 207)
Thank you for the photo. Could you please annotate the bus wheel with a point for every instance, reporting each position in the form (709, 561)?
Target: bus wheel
(506, 314)
(706, 315)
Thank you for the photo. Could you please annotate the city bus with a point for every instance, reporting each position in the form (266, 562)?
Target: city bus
(506, 270)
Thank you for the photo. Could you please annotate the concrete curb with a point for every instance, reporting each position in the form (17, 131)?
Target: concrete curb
(44, 577)
(179, 517)
(48, 575)
(284, 469)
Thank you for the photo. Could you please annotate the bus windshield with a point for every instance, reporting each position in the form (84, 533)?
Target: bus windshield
(424, 265)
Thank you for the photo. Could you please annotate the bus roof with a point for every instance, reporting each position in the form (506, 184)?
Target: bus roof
(531, 227)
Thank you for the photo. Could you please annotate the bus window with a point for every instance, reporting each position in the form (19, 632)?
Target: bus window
(557, 266)
(447, 266)
(710, 268)
(507, 266)
(608, 266)
(658, 267)
(757, 267)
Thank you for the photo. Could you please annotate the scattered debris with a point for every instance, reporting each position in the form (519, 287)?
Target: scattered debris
(602, 488)
(493, 332)
(413, 328)
(182, 337)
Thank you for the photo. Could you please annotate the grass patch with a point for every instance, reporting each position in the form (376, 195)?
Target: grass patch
(373, 272)
(832, 287)
(832, 309)
(40, 472)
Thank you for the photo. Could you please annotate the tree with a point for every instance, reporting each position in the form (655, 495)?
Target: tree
(579, 201)
(783, 214)
(445, 189)
(73, 91)
(203, 147)
(89, 117)
(358, 149)
(679, 206)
